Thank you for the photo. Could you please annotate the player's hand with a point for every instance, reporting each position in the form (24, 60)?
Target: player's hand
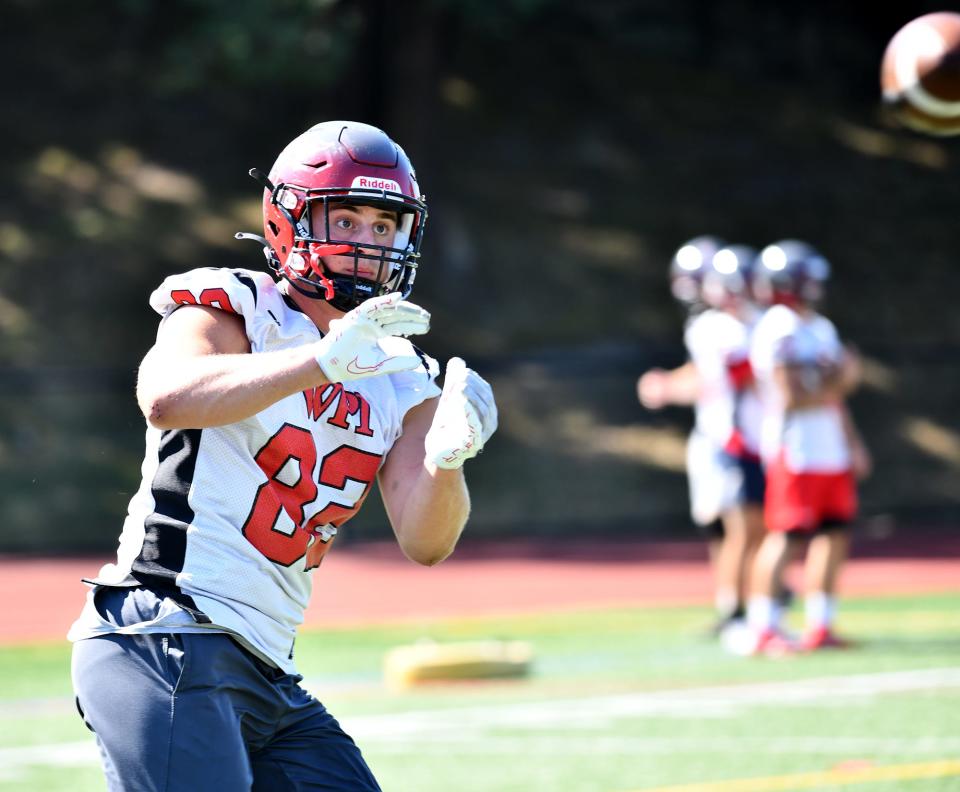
(861, 461)
(364, 342)
(652, 389)
(851, 369)
(466, 417)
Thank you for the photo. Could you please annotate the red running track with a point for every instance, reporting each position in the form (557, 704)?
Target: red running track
(374, 583)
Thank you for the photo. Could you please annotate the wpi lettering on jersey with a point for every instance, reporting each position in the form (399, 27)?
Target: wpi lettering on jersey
(345, 403)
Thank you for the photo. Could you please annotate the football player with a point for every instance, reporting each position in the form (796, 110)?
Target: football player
(811, 449)
(273, 403)
(723, 468)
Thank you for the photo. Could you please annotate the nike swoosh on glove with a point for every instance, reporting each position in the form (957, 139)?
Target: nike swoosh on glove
(365, 342)
(466, 417)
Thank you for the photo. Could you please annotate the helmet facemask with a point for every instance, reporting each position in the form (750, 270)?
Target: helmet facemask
(308, 213)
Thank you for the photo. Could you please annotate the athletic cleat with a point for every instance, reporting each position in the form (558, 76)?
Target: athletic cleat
(773, 643)
(823, 638)
(785, 596)
(738, 639)
(723, 622)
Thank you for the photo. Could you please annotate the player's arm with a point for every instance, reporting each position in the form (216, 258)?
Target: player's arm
(851, 369)
(861, 462)
(657, 388)
(427, 506)
(199, 373)
(422, 481)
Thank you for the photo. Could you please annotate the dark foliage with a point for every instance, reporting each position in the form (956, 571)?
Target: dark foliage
(566, 148)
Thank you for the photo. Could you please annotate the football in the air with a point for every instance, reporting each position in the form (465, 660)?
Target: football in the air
(920, 74)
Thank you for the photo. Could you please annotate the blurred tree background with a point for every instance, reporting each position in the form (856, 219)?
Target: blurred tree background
(566, 149)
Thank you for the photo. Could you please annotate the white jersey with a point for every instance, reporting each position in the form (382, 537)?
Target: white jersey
(229, 521)
(726, 413)
(811, 440)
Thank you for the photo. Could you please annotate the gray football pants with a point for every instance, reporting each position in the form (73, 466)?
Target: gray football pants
(196, 712)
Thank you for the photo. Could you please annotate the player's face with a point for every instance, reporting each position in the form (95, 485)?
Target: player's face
(361, 225)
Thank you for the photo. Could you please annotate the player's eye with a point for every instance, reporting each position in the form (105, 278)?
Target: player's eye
(381, 229)
(344, 223)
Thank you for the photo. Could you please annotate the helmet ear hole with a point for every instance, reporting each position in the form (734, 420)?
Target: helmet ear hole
(273, 227)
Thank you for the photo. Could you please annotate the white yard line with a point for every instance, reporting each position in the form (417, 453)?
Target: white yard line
(473, 729)
(600, 712)
(13, 761)
(543, 746)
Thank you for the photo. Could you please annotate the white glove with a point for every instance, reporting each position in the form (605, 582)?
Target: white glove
(466, 417)
(364, 343)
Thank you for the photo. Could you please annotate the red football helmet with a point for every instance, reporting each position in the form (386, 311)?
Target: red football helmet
(333, 163)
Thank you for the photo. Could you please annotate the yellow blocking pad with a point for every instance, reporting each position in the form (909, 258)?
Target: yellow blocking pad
(428, 661)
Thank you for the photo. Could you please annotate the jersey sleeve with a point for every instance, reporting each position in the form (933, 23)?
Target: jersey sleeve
(231, 290)
(831, 348)
(735, 350)
(780, 332)
(764, 342)
(697, 336)
(720, 342)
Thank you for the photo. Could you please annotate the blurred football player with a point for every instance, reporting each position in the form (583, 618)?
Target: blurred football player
(811, 450)
(273, 404)
(723, 465)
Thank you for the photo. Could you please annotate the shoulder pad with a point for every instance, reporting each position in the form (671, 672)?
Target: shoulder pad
(233, 290)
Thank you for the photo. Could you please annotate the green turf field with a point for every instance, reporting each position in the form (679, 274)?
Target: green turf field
(619, 700)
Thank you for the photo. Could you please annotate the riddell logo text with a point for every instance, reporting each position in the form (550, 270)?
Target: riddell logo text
(368, 183)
